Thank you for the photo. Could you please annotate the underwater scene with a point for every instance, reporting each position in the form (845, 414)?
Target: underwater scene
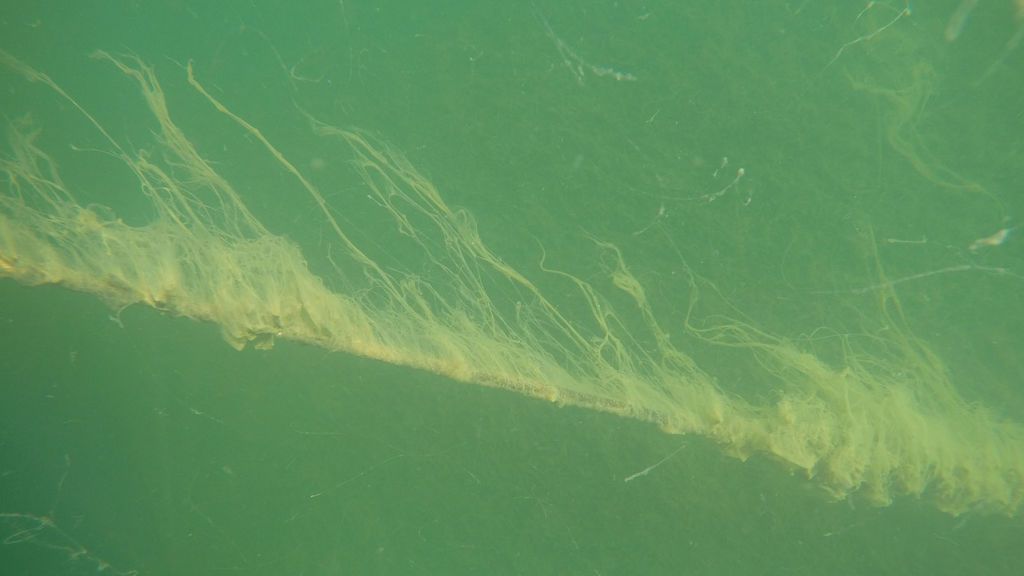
(393, 287)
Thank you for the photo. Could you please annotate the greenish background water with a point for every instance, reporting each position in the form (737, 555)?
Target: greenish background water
(149, 444)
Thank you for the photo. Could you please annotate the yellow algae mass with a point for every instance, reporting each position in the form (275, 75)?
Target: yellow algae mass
(880, 425)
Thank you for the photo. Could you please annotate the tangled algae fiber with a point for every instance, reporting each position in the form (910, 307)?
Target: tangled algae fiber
(876, 425)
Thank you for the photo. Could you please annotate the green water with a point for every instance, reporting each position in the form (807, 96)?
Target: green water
(142, 442)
